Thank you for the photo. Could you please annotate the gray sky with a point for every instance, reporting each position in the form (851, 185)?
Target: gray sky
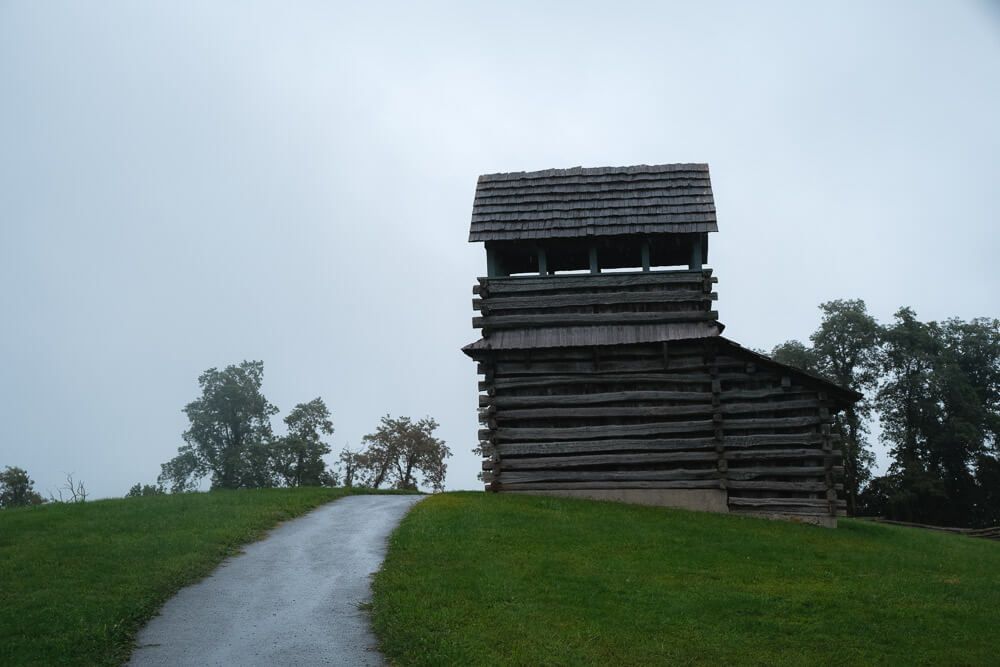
(187, 184)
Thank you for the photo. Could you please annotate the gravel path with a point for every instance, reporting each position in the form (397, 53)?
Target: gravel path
(291, 599)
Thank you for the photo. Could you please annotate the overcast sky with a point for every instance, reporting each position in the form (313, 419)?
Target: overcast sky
(189, 184)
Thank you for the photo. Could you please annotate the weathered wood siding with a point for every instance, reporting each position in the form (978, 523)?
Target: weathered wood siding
(692, 414)
(568, 310)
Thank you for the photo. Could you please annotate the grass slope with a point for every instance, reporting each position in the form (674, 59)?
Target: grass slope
(474, 579)
(78, 581)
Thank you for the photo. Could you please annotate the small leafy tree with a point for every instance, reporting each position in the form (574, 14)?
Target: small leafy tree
(181, 473)
(298, 457)
(17, 489)
(139, 490)
(399, 450)
(350, 463)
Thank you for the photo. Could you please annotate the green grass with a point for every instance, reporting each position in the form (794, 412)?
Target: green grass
(486, 579)
(78, 581)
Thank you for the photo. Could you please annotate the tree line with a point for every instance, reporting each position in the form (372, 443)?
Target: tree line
(17, 489)
(935, 389)
(230, 440)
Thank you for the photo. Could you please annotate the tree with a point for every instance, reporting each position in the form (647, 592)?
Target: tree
(399, 449)
(17, 489)
(139, 490)
(181, 473)
(75, 491)
(230, 434)
(350, 463)
(846, 345)
(298, 457)
(940, 410)
(795, 354)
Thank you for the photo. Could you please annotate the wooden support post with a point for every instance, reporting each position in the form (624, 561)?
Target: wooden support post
(645, 255)
(543, 264)
(494, 268)
(594, 268)
(695, 263)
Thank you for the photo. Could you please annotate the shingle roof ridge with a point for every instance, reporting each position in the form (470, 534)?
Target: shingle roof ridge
(595, 171)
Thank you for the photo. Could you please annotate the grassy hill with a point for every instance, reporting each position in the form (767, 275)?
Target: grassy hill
(485, 579)
(78, 581)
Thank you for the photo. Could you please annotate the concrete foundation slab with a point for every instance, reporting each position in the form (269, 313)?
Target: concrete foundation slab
(701, 500)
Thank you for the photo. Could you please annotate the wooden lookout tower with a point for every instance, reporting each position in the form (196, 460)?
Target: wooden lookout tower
(604, 371)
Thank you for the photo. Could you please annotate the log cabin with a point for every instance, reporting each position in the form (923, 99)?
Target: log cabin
(605, 373)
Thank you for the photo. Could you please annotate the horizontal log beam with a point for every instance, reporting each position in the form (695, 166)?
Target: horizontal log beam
(782, 471)
(494, 286)
(624, 444)
(578, 319)
(778, 486)
(636, 484)
(780, 454)
(514, 368)
(778, 422)
(494, 304)
(733, 445)
(596, 432)
(738, 501)
(523, 477)
(555, 462)
(774, 392)
(648, 410)
(602, 378)
(555, 400)
(604, 411)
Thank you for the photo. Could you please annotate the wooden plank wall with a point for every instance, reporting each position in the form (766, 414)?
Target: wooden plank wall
(664, 297)
(693, 414)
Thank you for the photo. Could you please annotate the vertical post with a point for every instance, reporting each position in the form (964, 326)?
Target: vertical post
(695, 263)
(543, 263)
(493, 269)
(594, 268)
(645, 255)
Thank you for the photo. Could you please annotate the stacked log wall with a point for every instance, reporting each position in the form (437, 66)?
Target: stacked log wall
(666, 297)
(685, 414)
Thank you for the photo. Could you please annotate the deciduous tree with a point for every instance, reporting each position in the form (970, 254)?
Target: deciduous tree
(139, 490)
(399, 450)
(940, 412)
(17, 489)
(846, 345)
(230, 435)
(298, 456)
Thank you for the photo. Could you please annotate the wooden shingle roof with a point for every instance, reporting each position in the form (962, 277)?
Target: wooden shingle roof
(603, 201)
